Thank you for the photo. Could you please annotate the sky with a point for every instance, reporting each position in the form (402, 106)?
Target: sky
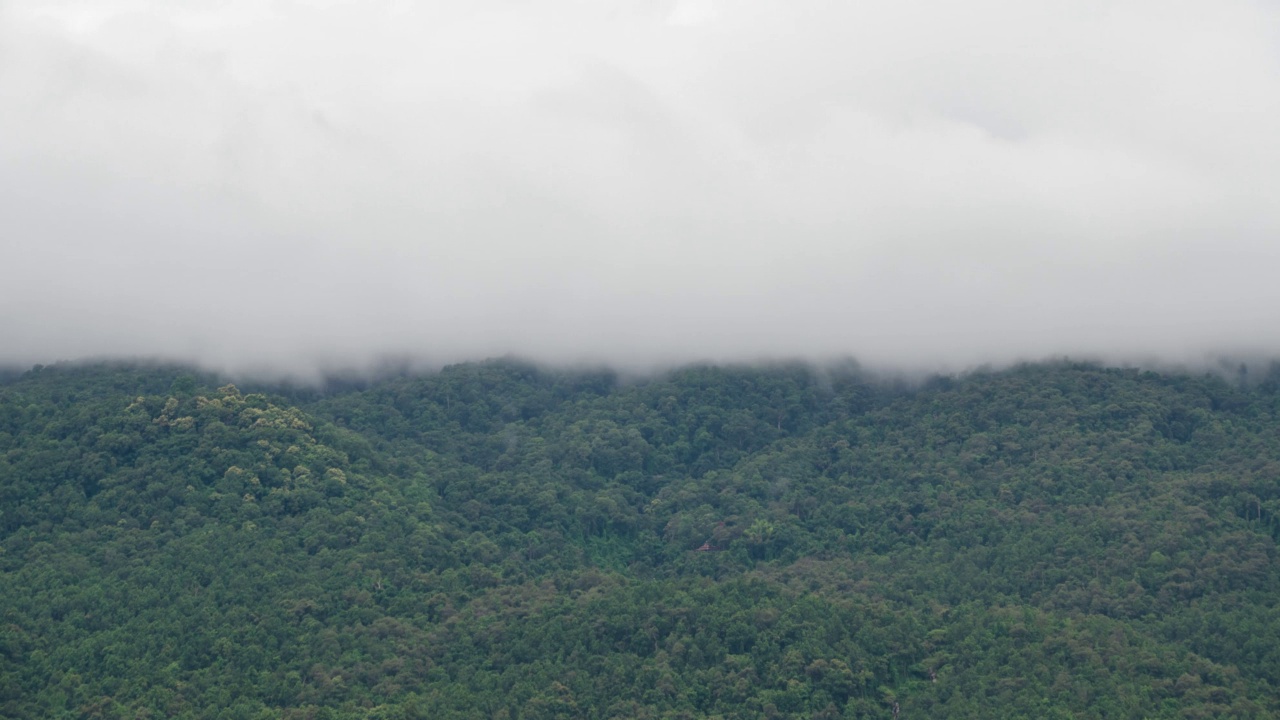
(285, 186)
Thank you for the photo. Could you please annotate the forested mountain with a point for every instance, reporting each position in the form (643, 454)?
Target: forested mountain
(498, 540)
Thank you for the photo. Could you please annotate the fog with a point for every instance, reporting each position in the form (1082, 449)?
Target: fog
(293, 186)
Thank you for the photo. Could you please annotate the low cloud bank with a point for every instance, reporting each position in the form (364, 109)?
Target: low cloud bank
(295, 186)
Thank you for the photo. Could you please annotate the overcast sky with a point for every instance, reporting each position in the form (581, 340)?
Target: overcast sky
(291, 184)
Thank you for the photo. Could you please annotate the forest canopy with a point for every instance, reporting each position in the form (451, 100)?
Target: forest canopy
(502, 540)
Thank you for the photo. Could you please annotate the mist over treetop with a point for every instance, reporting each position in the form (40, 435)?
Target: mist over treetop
(301, 184)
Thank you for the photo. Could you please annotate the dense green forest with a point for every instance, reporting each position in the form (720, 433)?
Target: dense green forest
(499, 540)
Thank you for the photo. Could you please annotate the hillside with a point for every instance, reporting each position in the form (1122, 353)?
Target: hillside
(498, 540)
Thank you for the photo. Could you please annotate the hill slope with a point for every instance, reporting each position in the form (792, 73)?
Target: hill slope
(497, 540)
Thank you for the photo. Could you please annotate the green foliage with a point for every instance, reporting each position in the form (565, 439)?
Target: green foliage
(499, 540)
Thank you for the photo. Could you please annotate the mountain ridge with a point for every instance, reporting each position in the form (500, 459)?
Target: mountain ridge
(499, 539)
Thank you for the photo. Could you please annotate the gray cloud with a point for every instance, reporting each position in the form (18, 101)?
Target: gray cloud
(292, 184)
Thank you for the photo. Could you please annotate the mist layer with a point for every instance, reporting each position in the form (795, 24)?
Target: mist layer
(303, 184)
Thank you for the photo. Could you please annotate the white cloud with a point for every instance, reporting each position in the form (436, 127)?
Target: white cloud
(921, 181)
